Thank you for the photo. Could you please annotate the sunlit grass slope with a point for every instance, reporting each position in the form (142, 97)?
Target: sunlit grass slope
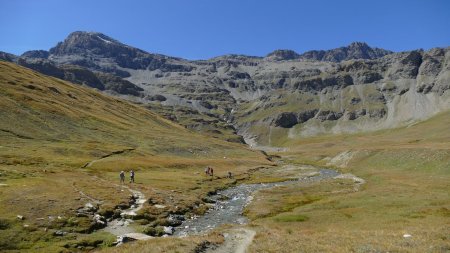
(63, 145)
(407, 174)
(403, 206)
(47, 120)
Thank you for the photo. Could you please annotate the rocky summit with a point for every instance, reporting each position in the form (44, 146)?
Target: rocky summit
(266, 100)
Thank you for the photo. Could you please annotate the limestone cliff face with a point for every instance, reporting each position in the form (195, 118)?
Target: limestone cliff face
(265, 99)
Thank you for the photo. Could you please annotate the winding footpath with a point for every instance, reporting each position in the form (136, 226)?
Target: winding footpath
(236, 240)
(121, 226)
(228, 208)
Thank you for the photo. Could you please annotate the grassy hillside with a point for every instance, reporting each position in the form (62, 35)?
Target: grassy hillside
(63, 145)
(406, 191)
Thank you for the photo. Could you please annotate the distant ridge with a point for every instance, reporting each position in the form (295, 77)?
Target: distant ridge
(356, 50)
(347, 89)
(80, 42)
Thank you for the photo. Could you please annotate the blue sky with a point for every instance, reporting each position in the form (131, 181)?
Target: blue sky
(200, 29)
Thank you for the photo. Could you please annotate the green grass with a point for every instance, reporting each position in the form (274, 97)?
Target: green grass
(407, 171)
(291, 218)
(50, 129)
(47, 137)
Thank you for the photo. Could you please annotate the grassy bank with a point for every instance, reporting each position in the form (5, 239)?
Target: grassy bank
(407, 174)
(403, 206)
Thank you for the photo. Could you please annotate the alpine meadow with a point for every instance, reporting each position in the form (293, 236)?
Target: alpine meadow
(106, 147)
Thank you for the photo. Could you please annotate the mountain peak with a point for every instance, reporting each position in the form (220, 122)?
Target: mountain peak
(355, 50)
(282, 54)
(91, 35)
(358, 44)
(79, 42)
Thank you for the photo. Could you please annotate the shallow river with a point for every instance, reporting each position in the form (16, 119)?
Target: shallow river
(230, 203)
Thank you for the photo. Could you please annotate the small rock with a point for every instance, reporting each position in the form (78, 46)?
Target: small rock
(20, 217)
(168, 230)
(175, 220)
(407, 236)
(59, 233)
(90, 207)
(99, 219)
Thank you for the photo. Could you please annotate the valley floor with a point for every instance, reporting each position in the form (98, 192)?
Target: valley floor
(57, 188)
(393, 196)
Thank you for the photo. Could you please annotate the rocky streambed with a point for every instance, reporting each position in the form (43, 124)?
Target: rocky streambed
(121, 226)
(228, 205)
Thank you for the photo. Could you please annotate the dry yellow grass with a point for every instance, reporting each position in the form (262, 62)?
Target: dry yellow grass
(407, 173)
(51, 129)
(47, 136)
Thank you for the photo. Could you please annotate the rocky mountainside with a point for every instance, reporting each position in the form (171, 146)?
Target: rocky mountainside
(356, 50)
(268, 99)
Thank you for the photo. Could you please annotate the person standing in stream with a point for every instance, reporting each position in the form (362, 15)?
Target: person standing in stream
(131, 176)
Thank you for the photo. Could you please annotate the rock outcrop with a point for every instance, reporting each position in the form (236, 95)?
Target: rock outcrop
(347, 89)
(356, 50)
(282, 55)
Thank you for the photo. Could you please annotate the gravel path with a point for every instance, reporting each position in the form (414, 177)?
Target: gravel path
(236, 240)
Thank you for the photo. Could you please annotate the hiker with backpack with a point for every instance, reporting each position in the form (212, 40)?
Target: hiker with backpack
(122, 177)
(131, 176)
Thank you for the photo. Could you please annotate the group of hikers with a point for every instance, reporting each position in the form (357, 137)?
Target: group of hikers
(208, 171)
(122, 176)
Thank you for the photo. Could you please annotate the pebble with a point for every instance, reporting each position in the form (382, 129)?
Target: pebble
(168, 230)
(407, 236)
(59, 233)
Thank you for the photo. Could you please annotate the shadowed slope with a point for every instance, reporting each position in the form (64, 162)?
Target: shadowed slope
(69, 120)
